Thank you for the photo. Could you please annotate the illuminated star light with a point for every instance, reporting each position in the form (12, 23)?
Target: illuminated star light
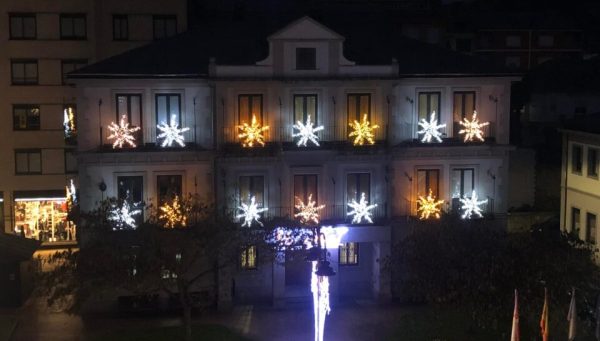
(308, 212)
(306, 132)
(71, 192)
(473, 128)
(472, 206)
(122, 133)
(69, 121)
(123, 216)
(429, 206)
(361, 210)
(173, 214)
(431, 129)
(250, 212)
(252, 133)
(363, 131)
(171, 133)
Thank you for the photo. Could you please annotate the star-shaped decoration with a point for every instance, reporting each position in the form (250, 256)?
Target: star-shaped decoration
(122, 133)
(309, 212)
(472, 206)
(250, 212)
(306, 132)
(429, 207)
(430, 129)
(171, 133)
(71, 193)
(123, 216)
(361, 210)
(363, 131)
(252, 133)
(173, 214)
(473, 128)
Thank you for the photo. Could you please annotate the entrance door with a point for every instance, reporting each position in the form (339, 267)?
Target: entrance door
(297, 273)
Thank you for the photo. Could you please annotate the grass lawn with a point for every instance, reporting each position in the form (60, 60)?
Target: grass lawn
(205, 332)
(7, 324)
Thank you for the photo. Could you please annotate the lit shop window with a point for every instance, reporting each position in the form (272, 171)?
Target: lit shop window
(44, 219)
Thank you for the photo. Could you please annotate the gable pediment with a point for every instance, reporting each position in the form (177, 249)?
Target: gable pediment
(305, 28)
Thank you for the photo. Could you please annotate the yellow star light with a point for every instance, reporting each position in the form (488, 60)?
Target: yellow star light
(429, 207)
(308, 212)
(473, 128)
(252, 133)
(173, 214)
(122, 133)
(363, 131)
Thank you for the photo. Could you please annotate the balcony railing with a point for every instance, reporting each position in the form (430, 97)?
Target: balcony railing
(409, 132)
(147, 138)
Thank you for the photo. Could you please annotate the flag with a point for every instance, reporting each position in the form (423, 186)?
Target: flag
(572, 317)
(514, 335)
(544, 319)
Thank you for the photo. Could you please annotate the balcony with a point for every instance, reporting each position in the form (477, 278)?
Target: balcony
(407, 133)
(331, 215)
(145, 141)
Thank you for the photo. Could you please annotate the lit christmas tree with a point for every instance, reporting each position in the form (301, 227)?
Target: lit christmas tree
(122, 133)
(309, 212)
(429, 207)
(250, 212)
(363, 131)
(252, 133)
(361, 210)
(472, 206)
(430, 129)
(473, 128)
(171, 133)
(306, 132)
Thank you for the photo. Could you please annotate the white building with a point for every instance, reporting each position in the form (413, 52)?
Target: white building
(305, 69)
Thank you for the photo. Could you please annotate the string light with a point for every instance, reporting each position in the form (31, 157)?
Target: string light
(173, 214)
(123, 216)
(306, 132)
(429, 207)
(171, 133)
(361, 210)
(71, 193)
(122, 134)
(473, 128)
(431, 129)
(309, 212)
(250, 212)
(472, 206)
(362, 131)
(69, 121)
(252, 133)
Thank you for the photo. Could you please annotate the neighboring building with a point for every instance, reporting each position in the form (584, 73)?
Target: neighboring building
(306, 69)
(41, 42)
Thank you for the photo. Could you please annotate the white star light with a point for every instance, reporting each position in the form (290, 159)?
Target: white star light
(471, 206)
(250, 212)
(306, 132)
(71, 192)
(473, 128)
(122, 133)
(171, 133)
(123, 216)
(361, 210)
(431, 129)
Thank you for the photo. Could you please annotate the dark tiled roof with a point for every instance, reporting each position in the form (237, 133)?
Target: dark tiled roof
(368, 41)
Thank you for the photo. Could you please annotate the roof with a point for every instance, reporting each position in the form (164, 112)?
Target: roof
(15, 248)
(589, 124)
(565, 76)
(369, 40)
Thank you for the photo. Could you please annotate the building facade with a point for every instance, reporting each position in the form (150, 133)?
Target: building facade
(301, 75)
(41, 42)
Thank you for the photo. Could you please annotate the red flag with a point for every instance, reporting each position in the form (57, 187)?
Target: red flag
(514, 335)
(544, 319)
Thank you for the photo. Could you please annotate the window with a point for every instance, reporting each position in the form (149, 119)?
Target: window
(463, 182)
(306, 58)
(130, 105)
(428, 179)
(167, 107)
(69, 65)
(248, 258)
(592, 162)
(26, 117)
(120, 27)
(23, 26)
(305, 185)
(349, 254)
(575, 220)
(546, 40)
(464, 45)
(358, 106)
(28, 161)
(252, 186)
(131, 189)
(24, 72)
(356, 184)
(42, 215)
(164, 26)
(513, 41)
(428, 103)
(464, 106)
(73, 27)
(576, 159)
(513, 62)
(304, 106)
(248, 106)
(70, 161)
(590, 228)
(167, 187)
(70, 123)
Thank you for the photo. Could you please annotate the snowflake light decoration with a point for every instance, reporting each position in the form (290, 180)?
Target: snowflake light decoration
(309, 212)
(473, 128)
(122, 133)
(71, 193)
(173, 214)
(429, 207)
(171, 133)
(472, 206)
(363, 131)
(250, 212)
(69, 122)
(431, 129)
(252, 133)
(361, 210)
(123, 217)
(306, 132)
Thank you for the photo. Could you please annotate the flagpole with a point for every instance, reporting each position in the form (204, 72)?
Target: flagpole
(514, 335)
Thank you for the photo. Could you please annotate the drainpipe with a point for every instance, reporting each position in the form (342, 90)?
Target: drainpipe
(566, 179)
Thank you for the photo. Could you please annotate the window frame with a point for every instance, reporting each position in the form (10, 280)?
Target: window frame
(345, 248)
(244, 257)
(72, 151)
(427, 181)
(305, 183)
(159, 198)
(22, 16)
(594, 167)
(576, 168)
(63, 62)
(357, 106)
(312, 64)
(129, 114)
(27, 107)
(24, 63)
(168, 103)
(164, 18)
(252, 188)
(72, 17)
(589, 236)
(573, 227)
(305, 107)
(429, 110)
(250, 107)
(120, 19)
(28, 151)
(356, 176)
